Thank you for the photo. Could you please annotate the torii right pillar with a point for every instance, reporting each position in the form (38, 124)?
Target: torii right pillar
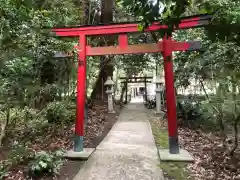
(170, 95)
(174, 153)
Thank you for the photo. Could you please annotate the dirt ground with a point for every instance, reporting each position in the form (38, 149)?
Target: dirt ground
(98, 125)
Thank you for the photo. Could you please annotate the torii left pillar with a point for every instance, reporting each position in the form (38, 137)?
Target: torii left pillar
(79, 151)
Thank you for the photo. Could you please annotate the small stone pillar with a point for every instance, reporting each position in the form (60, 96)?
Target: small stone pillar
(158, 95)
(109, 84)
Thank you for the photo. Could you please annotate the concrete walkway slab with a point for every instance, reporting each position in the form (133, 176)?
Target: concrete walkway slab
(128, 152)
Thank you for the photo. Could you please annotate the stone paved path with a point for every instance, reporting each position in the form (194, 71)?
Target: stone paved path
(128, 152)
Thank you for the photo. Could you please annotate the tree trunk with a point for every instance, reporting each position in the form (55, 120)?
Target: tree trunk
(106, 11)
(235, 126)
(236, 117)
(98, 92)
(116, 81)
(107, 68)
(86, 6)
(220, 115)
(122, 93)
(4, 126)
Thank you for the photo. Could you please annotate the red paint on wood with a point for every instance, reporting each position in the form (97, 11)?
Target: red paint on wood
(170, 90)
(179, 46)
(190, 24)
(123, 40)
(130, 49)
(135, 49)
(124, 28)
(81, 78)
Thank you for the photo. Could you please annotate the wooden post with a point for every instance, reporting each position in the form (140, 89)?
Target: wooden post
(81, 83)
(126, 98)
(170, 96)
(145, 85)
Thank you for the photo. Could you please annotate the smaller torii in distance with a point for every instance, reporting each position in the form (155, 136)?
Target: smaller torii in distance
(136, 80)
(166, 47)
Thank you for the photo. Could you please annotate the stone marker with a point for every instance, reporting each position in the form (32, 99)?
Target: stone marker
(158, 90)
(109, 84)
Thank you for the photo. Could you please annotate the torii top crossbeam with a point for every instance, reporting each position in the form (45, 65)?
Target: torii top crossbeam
(117, 28)
(123, 29)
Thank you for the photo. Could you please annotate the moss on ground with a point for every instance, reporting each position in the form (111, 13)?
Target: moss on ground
(172, 170)
(160, 135)
(175, 170)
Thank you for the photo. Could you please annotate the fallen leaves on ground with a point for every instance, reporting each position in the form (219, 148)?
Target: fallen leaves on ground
(58, 137)
(212, 160)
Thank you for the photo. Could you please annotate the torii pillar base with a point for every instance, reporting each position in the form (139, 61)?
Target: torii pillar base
(112, 112)
(82, 155)
(182, 156)
(160, 114)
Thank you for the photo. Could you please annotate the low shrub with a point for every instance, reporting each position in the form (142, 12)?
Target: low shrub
(58, 112)
(20, 155)
(3, 171)
(196, 113)
(46, 163)
(189, 110)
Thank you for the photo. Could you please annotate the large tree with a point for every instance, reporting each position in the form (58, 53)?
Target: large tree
(106, 65)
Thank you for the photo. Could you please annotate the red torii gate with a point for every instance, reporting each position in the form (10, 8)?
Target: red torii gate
(166, 46)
